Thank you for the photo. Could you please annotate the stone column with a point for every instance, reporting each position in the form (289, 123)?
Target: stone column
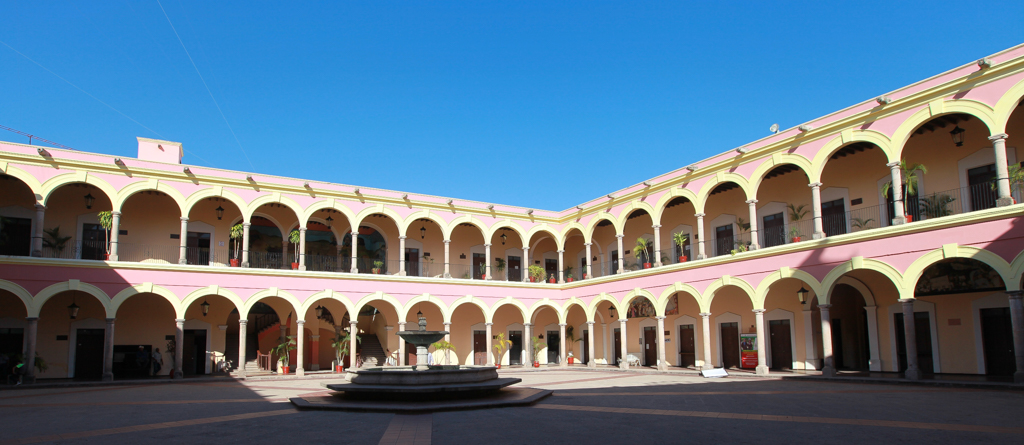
(526, 264)
(561, 266)
(701, 253)
(1017, 321)
(115, 223)
(108, 351)
(662, 363)
(30, 349)
(487, 262)
(353, 331)
(490, 346)
(819, 227)
(705, 318)
(314, 352)
(528, 337)
(622, 255)
(828, 368)
(657, 245)
(447, 258)
(563, 359)
(401, 256)
(183, 242)
(590, 267)
(302, 248)
(448, 329)
(624, 348)
(241, 347)
(752, 214)
(875, 363)
(300, 344)
(762, 358)
(1002, 172)
(286, 260)
(910, 334)
(401, 345)
(37, 234)
(590, 345)
(245, 244)
(355, 265)
(179, 349)
(897, 193)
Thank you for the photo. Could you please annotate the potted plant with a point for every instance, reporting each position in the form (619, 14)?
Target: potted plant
(340, 345)
(909, 174)
(378, 267)
(936, 206)
(551, 279)
(282, 351)
(861, 223)
(483, 271)
(501, 344)
(106, 221)
(499, 263)
(570, 339)
(447, 348)
(293, 238)
(568, 274)
(1016, 177)
(537, 274)
(680, 240)
(794, 233)
(54, 241)
(641, 247)
(796, 212)
(538, 344)
(237, 233)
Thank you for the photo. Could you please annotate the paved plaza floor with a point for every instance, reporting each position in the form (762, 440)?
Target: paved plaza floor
(594, 407)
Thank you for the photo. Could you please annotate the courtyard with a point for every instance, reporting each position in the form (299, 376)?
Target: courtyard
(587, 407)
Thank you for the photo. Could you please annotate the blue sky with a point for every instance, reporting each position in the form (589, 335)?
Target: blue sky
(539, 104)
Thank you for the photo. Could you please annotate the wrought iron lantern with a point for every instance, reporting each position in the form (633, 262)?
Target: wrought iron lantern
(958, 136)
(423, 232)
(220, 213)
(206, 307)
(89, 199)
(503, 238)
(330, 221)
(73, 309)
(319, 312)
(802, 295)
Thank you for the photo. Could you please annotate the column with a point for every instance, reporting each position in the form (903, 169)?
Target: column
(762, 358)
(448, 329)
(1017, 321)
(183, 242)
(314, 352)
(487, 262)
(30, 349)
(245, 244)
(241, 347)
(286, 260)
(624, 348)
(179, 347)
(622, 254)
(37, 234)
(115, 223)
(401, 256)
(606, 343)
(561, 266)
(657, 245)
(910, 333)
(490, 347)
(875, 363)
(528, 339)
(590, 267)
(590, 345)
(401, 345)
(1002, 172)
(662, 364)
(897, 193)
(108, 351)
(300, 344)
(355, 266)
(752, 213)
(562, 358)
(526, 264)
(810, 350)
(352, 332)
(828, 368)
(700, 237)
(302, 249)
(447, 258)
(819, 227)
(705, 318)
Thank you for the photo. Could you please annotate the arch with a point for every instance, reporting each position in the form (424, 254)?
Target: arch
(709, 293)
(145, 288)
(466, 219)
(372, 298)
(506, 224)
(799, 161)
(272, 292)
(569, 228)
(826, 151)
(379, 208)
(469, 299)
(673, 193)
(637, 293)
(859, 286)
(545, 229)
(592, 225)
(605, 297)
(917, 268)
(859, 263)
(523, 310)
(51, 185)
(71, 285)
(215, 192)
(1016, 272)
(30, 181)
(634, 206)
(446, 229)
(324, 205)
(403, 313)
(676, 288)
(327, 294)
(21, 293)
(130, 190)
(1005, 106)
(761, 294)
(721, 178)
(195, 295)
(274, 198)
(573, 301)
(976, 109)
(541, 304)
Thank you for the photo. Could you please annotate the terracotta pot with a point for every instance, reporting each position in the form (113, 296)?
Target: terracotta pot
(498, 366)
(647, 265)
(910, 218)
(536, 364)
(339, 369)
(284, 370)
(106, 257)
(571, 360)
(483, 277)
(295, 266)
(569, 279)
(682, 259)
(533, 280)
(796, 239)
(551, 280)
(235, 262)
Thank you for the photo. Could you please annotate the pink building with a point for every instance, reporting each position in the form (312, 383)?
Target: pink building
(797, 242)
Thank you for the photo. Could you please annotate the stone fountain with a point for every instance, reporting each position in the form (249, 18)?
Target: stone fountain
(422, 339)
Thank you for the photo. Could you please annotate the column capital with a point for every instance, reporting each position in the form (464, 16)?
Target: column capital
(622, 320)
(314, 337)
(562, 324)
(561, 251)
(619, 235)
(40, 208)
(588, 244)
(488, 324)
(403, 237)
(401, 324)
(302, 229)
(526, 247)
(656, 226)
(893, 165)
(751, 201)
(660, 317)
(704, 314)
(354, 234)
(300, 322)
(183, 218)
(447, 323)
(447, 241)
(997, 137)
(902, 300)
(759, 311)
(699, 215)
(487, 245)
(1015, 294)
(242, 321)
(176, 320)
(111, 320)
(590, 323)
(352, 323)
(824, 306)
(246, 225)
(814, 185)
(115, 213)
(528, 324)
(31, 319)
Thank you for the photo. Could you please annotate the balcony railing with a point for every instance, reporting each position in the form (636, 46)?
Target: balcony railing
(266, 260)
(146, 253)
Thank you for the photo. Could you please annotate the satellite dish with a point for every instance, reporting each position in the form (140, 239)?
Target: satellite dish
(774, 128)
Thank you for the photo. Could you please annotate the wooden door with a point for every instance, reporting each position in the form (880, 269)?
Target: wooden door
(16, 234)
(650, 346)
(687, 350)
(188, 353)
(89, 353)
(586, 347)
(515, 352)
(617, 350)
(412, 262)
(837, 343)
(982, 195)
(923, 331)
(514, 268)
(94, 243)
(773, 230)
(479, 260)
(781, 344)
(724, 241)
(410, 354)
(833, 217)
(479, 348)
(997, 341)
(730, 345)
(554, 342)
(198, 248)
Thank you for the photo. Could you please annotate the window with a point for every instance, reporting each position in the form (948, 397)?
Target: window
(773, 228)
(723, 240)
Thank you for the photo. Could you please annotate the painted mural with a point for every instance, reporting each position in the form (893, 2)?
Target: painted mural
(958, 276)
(641, 308)
(672, 308)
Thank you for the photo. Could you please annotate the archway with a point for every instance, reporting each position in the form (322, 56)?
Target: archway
(508, 320)
(544, 254)
(17, 217)
(678, 218)
(785, 319)
(424, 249)
(575, 252)
(145, 328)
(146, 219)
(637, 227)
(547, 335)
(327, 323)
(269, 243)
(78, 353)
(783, 203)
(863, 312)
(577, 335)
(378, 338)
(218, 317)
(209, 225)
(728, 225)
(468, 254)
(506, 247)
(435, 318)
(373, 254)
(324, 231)
(75, 208)
(12, 328)
(685, 331)
(733, 316)
(469, 335)
(641, 324)
(852, 203)
(605, 235)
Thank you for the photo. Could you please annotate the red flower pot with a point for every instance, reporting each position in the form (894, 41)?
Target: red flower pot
(339, 368)
(536, 364)
(106, 257)
(571, 360)
(647, 265)
(551, 280)
(910, 218)
(483, 277)
(284, 369)
(569, 279)
(295, 266)
(682, 259)
(796, 239)
(235, 262)
(498, 366)
(533, 280)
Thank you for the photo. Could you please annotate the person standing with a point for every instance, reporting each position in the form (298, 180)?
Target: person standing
(158, 361)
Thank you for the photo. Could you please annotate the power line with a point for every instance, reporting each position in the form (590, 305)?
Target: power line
(205, 85)
(32, 136)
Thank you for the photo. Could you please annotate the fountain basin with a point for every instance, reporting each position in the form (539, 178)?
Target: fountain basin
(422, 338)
(409, 377)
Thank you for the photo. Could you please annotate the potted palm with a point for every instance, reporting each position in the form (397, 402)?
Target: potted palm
(680, 240)
(570, 339)
(282, 350)
(501, 344)
(483, 271)
(237, 232)
(106, 221)
(538, 344)
(378, 267)
(54, 241)
(641, 247)
(340, 344)
(909, 174)
(293, 238)
(499, 264)
(568, 274)
(796, 212)
(937, 206)
(447, 348)
(862, 223)
(537, 274)
(794, 233)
